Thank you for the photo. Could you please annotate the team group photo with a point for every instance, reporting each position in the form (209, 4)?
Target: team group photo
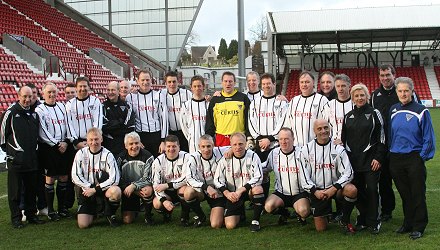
(307, 143)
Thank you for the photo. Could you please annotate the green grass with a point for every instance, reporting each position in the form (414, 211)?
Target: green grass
(65, 234)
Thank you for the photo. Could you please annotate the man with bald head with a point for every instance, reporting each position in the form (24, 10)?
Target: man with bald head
(124, 89)
(325, 173)
(118, 119)
(18, 138)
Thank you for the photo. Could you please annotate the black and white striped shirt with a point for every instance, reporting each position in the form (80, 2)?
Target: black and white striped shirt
(200, 172)
(151, 115)
(286, 170)
(323, 166)
(53, 123)
(266, 116)
(192, 121)
(83, 114)
(302, 113)
(334, 112)
(234, 173)
(88, 166)
(169, 171)
(174, 103)
(254, 96)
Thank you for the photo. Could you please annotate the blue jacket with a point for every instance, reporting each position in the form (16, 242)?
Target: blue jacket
(411, 130)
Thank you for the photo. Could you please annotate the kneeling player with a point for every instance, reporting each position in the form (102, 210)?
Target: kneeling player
(239, 179)
(95, 171)
(325, 173)
(135, 165)
(284, 161)
(169, 182)
(199, 172)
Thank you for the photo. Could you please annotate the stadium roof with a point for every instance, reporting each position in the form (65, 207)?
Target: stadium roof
(387, 28)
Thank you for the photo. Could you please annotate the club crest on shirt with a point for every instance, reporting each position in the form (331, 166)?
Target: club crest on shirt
(240, 106)
(315, 105)
(379, 94)
(408, 117)
(123, 108)
(92, 107)
(368, 116)
(334, 157)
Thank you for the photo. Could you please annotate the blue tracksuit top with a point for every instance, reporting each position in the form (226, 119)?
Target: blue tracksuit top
(411, 130)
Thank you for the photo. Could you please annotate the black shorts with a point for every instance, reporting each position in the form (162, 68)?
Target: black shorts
(53, 162)
(289, 200)
(131, 203)
(172, 193)
(219, 202)
(151, 142)
(89, 205)
(232, 209)
(321, 208)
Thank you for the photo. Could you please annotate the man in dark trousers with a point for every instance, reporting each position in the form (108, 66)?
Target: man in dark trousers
(18, 138)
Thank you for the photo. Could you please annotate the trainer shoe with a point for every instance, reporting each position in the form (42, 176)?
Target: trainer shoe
(64, 213)
(282, 220)
(198, 221)
(350, 229)
(402, 230)
(360, 227)
(53, 216)
(255, 226)
(376, 229)
(166, 217)
(17, 224)
(184, 222)
(43, 211)
(113, 221)
(301, 221)
(35, 220)
(149, 220)
(415, 235)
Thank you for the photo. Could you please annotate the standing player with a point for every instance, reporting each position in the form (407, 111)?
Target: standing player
(284, 161)
(169, 181)
(199, 172)
(96, 173)
(326, 172)
(335, 110)
(227, 113)
(382, 99)
(174, 98)
(124, 89)
(193, 114)
(327, 85)
(135, 166)
(151, 121)
(18, 139)
(252, 82)
(70, 91)
(239, 179)
(55, 152)
(83, 112)
(265, 120)
(118, 120)
(304, 109)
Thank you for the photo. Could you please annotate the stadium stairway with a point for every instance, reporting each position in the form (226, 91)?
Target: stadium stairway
(433, 82)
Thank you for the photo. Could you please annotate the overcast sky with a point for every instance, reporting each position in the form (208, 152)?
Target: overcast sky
(218, 18)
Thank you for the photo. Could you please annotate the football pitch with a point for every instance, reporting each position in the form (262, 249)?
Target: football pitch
(64, 234)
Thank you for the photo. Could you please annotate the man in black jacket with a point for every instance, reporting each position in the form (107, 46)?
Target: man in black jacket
(118, 120)
(18, 138)
(382, 99)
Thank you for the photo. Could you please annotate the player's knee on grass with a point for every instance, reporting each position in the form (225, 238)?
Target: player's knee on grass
(156, 203)
(84, 220)
(113, 193)
(128, 217)
(320, 223)
(216, 217)
(231, 222)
